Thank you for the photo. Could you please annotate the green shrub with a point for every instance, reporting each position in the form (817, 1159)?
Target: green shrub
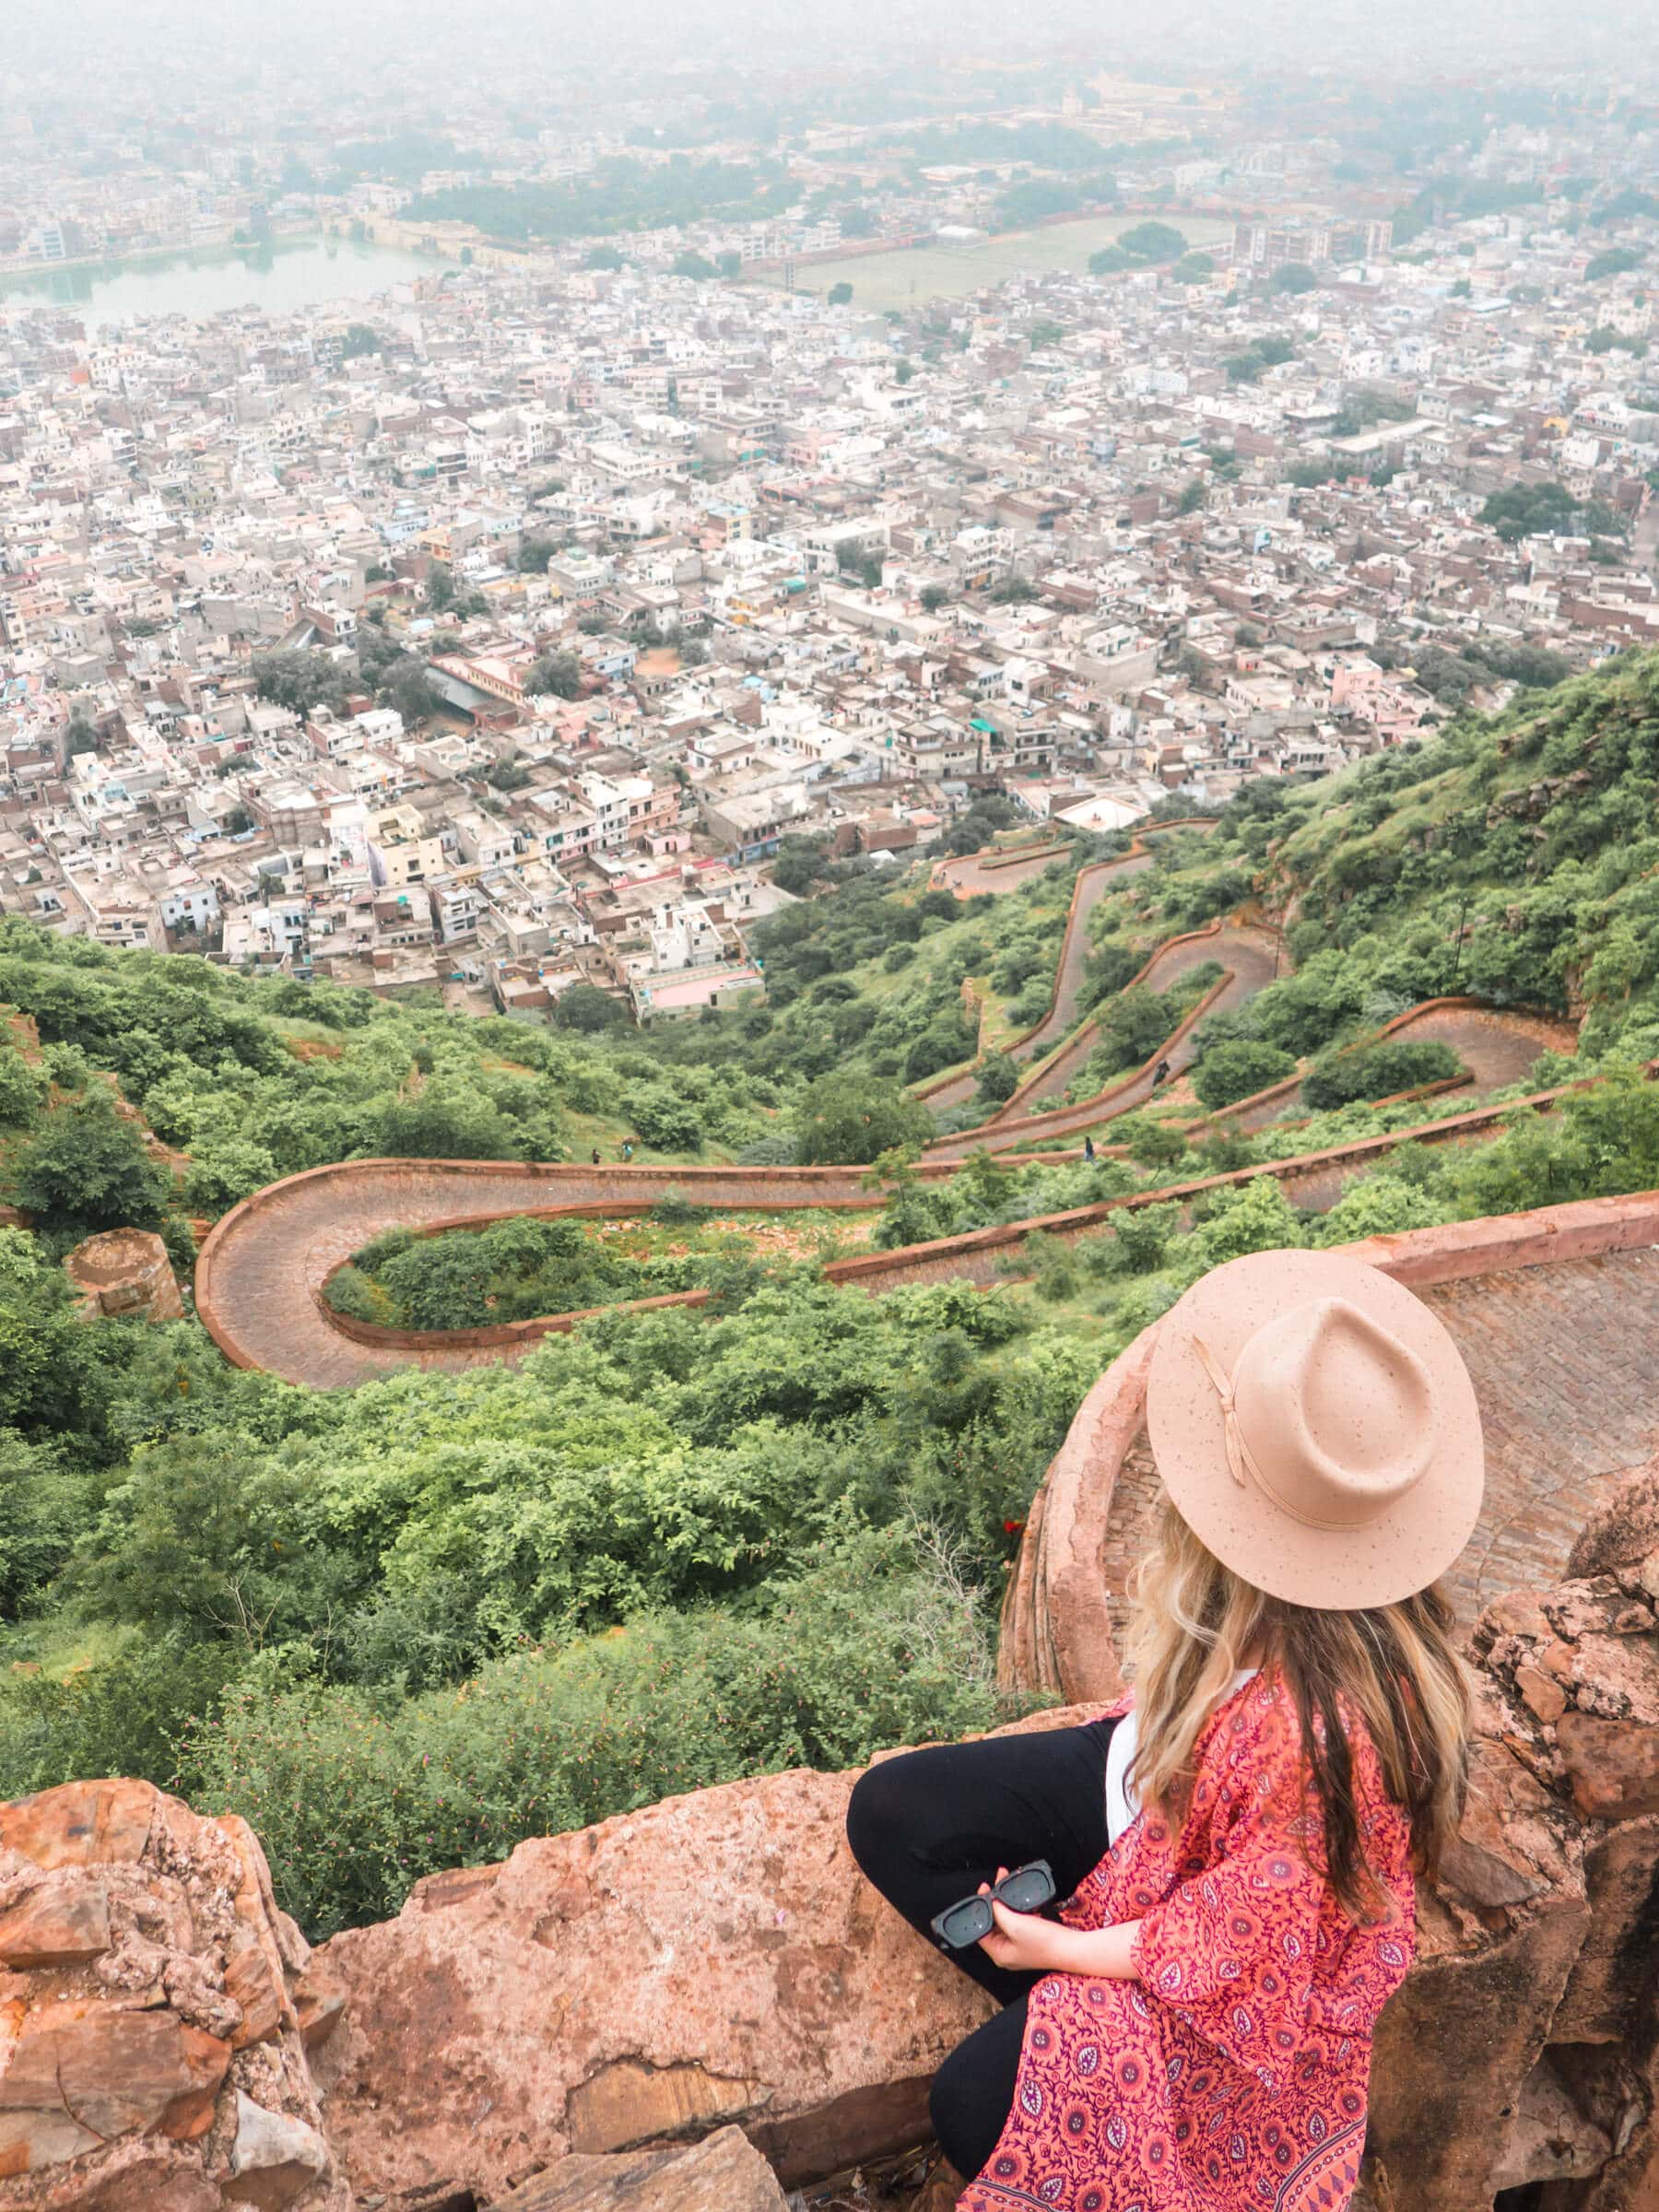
(1379, 1071)
(355, 1800)
(1238, 1069)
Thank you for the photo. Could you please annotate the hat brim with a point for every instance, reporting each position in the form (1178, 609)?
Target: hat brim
(1407, 1546)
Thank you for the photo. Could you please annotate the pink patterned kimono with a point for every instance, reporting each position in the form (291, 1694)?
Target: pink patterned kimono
(1231, 2077)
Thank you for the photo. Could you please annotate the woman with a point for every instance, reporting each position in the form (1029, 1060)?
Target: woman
(1189, 2029)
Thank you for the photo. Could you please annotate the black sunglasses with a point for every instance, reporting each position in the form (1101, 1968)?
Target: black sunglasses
(971, 1917)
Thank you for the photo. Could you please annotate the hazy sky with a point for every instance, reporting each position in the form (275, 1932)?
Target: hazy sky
(1483, 40)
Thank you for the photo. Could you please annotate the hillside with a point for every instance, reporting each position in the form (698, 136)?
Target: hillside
(683, 1545)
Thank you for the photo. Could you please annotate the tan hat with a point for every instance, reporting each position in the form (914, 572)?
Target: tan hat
(1316, 1427)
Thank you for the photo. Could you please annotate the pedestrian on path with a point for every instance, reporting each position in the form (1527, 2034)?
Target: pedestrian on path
(595, 1156)
(1089, 1149)
(1230, 1852)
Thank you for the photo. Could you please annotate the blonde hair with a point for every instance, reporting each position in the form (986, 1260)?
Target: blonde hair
(1394, 1668)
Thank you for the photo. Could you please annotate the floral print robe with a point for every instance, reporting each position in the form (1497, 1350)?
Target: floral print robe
(1231, 2077)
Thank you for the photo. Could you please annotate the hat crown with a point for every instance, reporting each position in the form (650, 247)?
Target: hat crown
(1336, 1414)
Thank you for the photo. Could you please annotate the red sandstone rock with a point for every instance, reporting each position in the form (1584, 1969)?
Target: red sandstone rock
(1624, 1529)
(150, 2057)
(721, 2173)
(716, 1958)
(1613, 1766)
(56, 1926)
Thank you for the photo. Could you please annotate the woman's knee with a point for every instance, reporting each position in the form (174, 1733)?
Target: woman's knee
(881, 1813)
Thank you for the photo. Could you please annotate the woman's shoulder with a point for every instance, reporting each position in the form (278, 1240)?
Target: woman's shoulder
(1263, 1728)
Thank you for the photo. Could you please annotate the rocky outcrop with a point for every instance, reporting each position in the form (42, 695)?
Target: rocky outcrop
(536, 2035)
(713, 1959)
(152, 2055)
(724, 2172)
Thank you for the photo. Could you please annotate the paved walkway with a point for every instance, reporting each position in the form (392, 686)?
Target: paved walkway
(1093, 883)
(968, 877)
(260, 1273)
(1495, 1046)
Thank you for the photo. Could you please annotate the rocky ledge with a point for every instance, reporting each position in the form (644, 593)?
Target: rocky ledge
(153, 2058)
(539, 2036)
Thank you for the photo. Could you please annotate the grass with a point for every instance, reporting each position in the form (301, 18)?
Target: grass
(912, 274)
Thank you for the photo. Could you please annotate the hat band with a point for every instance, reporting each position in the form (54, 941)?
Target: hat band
(1242, 1461)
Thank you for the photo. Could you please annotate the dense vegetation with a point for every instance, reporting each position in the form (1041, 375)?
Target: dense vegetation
(406, 1626)
(621, 194)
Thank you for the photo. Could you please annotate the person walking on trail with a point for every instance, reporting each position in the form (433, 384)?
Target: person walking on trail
(1160, 1073)
(628, 1148)
(1088, 1151)
(595, 1156)
(1212, 1885)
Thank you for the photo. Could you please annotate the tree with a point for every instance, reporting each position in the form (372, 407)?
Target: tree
(299, 680)
(1045, 333)
(693, 264)
(536, 555)
(80, 737)
(1295, 276)
(413, 693)
(86, 1169)
(934, 597)
(730, 263)
(558, 674)
(603, 257)
(219, 1174)
(1191, 496)
(1615, 262)
(359, 339)
(840, 295)
(1153, 241)
(903, 370)
(1193, 268)
(849, 1118)
(799, 865)
(998, 1080)
(588, 1010)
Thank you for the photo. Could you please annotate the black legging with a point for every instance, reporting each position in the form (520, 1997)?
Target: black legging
(927, 1827)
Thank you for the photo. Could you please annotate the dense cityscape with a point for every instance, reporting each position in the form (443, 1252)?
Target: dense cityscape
(493, 631)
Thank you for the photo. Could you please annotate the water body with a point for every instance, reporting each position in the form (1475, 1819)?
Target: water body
(282, 277)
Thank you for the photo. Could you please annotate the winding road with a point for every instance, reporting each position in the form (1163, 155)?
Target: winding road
(1093, 884)
(1247, 954)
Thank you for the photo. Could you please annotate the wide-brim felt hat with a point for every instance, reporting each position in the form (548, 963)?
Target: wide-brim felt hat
(1315, 1427)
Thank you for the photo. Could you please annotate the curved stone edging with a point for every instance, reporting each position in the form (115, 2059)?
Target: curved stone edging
(262, 1317)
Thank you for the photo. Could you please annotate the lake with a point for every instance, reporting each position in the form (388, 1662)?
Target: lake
(284, 276)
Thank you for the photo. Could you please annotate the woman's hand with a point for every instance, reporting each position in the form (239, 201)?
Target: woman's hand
(1028, 1944)
(1024, 1941)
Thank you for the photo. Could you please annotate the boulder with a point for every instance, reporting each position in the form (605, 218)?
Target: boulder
(1623, 1530)
(721, 2173)
(715, 1959)
(151, 2058)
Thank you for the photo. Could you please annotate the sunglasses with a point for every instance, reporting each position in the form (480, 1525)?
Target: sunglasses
(970, 1918)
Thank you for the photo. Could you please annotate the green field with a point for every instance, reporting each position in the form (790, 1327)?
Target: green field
(915, 274)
